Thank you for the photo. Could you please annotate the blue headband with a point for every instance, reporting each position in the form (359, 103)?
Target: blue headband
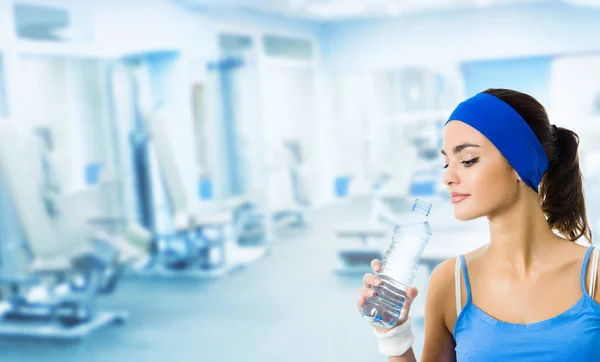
(508, 131)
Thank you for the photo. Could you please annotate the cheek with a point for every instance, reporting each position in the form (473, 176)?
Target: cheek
(492, 182)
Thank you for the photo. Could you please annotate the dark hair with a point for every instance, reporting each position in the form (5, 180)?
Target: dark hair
(561, 189)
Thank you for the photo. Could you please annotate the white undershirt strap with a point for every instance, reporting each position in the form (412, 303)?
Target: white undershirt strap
(593, 272)
(457, 286)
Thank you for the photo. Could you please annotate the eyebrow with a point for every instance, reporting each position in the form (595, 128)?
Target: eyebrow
(460, 147)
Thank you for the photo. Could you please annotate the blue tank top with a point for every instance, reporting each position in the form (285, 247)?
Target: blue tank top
(572, 336)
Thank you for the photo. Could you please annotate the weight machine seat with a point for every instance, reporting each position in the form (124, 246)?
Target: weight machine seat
(22, 174)
(138, 236)
(234, 203)
(64, 263)
(50, 265)
(53, 248)
(212, 219)
(127, 252)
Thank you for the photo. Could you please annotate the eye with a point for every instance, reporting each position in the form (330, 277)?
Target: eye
(445, 166)
(471, 162)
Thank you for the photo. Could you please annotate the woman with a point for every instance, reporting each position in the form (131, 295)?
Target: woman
(527, 295)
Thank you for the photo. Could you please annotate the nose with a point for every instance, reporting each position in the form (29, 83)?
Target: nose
(450, 177)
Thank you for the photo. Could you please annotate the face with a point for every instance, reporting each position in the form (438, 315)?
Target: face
(477, 176)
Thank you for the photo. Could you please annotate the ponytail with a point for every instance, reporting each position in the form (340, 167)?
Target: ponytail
(562, 188)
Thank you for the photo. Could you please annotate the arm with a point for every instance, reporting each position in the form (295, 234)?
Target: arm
(409, 356)
(439, 305)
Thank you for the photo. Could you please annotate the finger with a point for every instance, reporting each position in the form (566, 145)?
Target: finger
(362, 298)
(367, 292)
(411, 294)
(361, 302)
(370, 279)
(376, 265)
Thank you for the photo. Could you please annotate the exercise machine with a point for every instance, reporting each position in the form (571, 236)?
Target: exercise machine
(50, 279)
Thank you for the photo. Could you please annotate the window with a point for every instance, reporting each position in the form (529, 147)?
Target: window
(54, 22)
(232, 44)
(287, 47)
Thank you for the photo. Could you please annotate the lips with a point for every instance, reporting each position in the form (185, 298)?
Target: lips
(457, 197)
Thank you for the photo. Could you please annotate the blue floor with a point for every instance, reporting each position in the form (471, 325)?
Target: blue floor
(289, 307)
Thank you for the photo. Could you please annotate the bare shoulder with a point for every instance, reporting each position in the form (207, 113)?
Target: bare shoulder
(442, 277)
(574, 249)
(575, 253)
(439, 342)
(441, 293)
(441, 282)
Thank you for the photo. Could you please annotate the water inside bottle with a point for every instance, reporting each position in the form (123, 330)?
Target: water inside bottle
(399, 268)
(384, 308)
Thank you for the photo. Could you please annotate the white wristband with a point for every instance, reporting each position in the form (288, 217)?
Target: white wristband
(396, 341)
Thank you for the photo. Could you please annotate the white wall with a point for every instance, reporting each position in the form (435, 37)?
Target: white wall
(481, 33)
(153, 24)
(161, 24)
(575, 94)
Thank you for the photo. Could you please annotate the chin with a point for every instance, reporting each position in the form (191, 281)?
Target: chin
(464, 213)
(464, 216)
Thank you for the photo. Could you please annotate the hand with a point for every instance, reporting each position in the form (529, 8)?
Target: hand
(372, 280)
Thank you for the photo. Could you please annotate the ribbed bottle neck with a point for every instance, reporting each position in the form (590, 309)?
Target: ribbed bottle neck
(421, 208)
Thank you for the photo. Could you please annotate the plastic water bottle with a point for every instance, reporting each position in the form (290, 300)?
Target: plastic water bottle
(398, 267)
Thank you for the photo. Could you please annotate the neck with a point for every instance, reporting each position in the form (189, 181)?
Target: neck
(520, 236)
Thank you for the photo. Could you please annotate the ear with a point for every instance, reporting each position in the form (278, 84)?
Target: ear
(514, 172)
(516, 175)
